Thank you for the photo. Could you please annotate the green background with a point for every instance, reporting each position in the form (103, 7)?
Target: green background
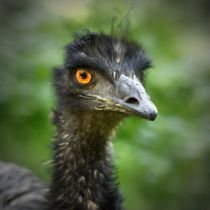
(162, 165)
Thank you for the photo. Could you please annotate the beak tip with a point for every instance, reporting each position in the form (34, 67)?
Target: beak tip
(152, 116)
(153, 113)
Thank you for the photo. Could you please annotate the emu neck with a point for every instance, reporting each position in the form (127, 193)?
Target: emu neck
(83, 172)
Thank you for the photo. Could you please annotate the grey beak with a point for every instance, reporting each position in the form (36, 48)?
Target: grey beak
(134, 98)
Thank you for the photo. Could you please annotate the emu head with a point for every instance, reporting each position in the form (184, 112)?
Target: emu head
(104, 73)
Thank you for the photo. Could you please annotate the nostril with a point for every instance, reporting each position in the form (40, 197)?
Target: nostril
(132, 100)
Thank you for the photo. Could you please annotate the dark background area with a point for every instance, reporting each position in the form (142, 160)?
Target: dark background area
(162, 165)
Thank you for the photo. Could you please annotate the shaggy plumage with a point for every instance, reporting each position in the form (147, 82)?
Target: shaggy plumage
(20, 189)
(86, 116)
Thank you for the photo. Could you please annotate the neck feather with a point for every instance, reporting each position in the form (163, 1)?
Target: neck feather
(83, 176)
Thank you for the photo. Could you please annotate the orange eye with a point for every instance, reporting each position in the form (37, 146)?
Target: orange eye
(83, 76)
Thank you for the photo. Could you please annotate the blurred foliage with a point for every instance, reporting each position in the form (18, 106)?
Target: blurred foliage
(162, 164)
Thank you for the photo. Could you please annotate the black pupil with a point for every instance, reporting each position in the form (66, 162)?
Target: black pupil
(83, 75)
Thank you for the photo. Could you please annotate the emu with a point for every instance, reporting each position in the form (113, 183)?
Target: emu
(99, 84)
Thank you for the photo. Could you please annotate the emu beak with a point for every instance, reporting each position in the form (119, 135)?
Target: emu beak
(134, 99)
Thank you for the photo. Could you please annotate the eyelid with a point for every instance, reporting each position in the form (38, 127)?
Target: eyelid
(72, 69)
(98, 68)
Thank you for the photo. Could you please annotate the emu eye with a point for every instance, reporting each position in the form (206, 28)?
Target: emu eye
(83, 76)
